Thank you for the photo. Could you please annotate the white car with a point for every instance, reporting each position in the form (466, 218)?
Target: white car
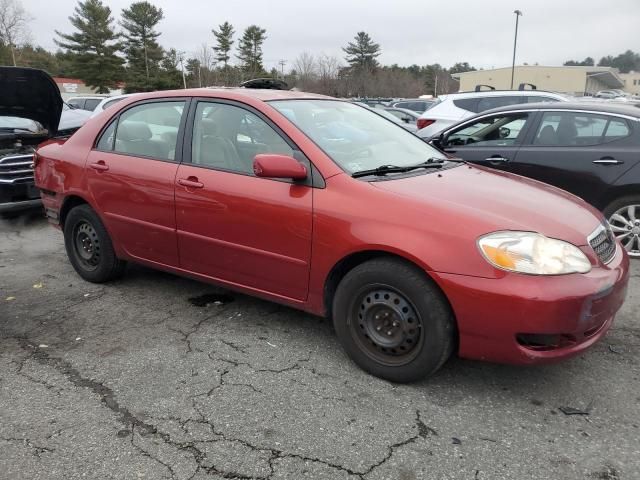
(85, 102)
(455, 107)
(109, 101)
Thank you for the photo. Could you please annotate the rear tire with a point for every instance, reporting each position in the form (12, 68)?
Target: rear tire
(393, 321)
(89, 246)
(623, 215)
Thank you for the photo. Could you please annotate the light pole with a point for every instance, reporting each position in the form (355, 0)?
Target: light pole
(515, 41)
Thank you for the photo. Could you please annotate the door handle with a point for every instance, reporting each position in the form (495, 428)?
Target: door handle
(191, 182)
(497, 158)
(99, 166)
(608, 161)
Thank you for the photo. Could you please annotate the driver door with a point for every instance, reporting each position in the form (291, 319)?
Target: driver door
(492, 140)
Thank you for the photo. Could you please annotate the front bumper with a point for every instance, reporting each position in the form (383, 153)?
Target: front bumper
(493, 315)
(18, 197)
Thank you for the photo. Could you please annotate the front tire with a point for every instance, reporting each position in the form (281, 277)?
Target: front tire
(624, 217)
(393, 321)
(89, 246)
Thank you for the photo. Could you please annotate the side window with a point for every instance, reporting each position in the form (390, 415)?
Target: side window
(75, 103)
(499, 130)
(150, 130)
(468, 104)
(617, 128)
(106, 140)
(91, 104)
(487, 103)
(229, 137)
(570, 129)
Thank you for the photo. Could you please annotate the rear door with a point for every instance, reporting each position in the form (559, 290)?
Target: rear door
(131, 174)
(233, 226)
(581, 152)
(492, 140)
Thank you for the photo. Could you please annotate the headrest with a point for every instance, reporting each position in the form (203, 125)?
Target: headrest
(130, 131)
(209, 127)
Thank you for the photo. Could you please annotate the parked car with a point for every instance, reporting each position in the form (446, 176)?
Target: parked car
(389, 116)
(89, 102)
(417, 105)
(23, 125)
(108, 102)
(455, 107)
(608, 94)
(405, 115)
(591, 150)
(327, 207)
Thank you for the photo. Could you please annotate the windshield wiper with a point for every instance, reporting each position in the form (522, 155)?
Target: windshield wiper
(384, 169)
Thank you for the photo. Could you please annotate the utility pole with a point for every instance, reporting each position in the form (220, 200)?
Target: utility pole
(184, 78)
(515, 41)
(282, 63)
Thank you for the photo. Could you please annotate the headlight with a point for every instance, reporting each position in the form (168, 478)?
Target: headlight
(532, 253)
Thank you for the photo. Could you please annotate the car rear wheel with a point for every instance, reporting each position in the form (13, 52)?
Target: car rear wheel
(624, 218)
(393, 321)
(89, 247)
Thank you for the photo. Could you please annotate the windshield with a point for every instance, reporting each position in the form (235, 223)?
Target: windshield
(355, 137)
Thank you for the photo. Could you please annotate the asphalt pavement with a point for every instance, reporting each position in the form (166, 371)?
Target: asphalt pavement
(156, 376)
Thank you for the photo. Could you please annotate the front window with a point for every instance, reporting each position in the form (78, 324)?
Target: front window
(499, 130)
(354, 137)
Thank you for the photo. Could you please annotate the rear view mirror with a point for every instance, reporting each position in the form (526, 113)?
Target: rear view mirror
(271, 165)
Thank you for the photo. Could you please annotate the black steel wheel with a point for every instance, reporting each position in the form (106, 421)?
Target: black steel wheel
(392, 320)
(89, 246)
(388, 328)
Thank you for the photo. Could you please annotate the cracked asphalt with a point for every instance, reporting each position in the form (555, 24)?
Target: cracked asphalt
(156, 376)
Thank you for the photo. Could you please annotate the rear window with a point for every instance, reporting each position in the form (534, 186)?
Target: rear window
(468, 104)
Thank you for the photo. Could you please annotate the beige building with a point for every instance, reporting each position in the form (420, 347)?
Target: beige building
(631, 82)
(572, 80)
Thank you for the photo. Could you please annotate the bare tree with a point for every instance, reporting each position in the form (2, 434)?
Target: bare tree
(306, 68)
(14, 27)
(205, 57)
(328, 71)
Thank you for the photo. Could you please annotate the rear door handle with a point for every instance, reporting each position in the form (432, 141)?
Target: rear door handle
(191, 182)
(99, 166)
(608, 161)
(497, 158)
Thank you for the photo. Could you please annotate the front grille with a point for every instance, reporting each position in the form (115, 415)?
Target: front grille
(603, 243)
(16, 169)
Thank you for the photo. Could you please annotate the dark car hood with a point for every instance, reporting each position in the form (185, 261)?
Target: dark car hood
(30, 93)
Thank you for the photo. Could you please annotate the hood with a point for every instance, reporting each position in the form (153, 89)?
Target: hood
(485, 200)
(30, 93)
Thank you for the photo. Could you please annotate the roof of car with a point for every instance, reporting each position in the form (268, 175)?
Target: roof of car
(591, 106)
(228, 92)
(491, 93)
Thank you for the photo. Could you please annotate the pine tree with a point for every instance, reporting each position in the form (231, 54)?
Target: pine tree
(224, 38)
(94, 46)
(362, 54)
(250, 50)
(142, 50)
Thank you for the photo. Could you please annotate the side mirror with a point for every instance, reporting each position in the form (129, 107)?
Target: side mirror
(406, 119)
(272, 165)
(438, 141)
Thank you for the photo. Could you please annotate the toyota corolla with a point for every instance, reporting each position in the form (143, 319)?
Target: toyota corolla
(325, 206)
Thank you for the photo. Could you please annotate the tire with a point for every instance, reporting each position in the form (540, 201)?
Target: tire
(89, 247)
(625, 228)
(394, 298)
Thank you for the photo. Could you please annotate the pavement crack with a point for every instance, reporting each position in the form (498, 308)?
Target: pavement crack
(423, 430)
(37, 450)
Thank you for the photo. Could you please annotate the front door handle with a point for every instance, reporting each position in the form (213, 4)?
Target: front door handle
(191, 182)
(608, 161)
(497, 158)
(99, 166)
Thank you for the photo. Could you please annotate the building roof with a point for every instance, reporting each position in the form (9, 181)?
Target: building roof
(607, 75)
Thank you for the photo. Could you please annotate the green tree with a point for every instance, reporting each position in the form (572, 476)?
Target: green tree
(224, 39)
(587, 62)
(250, 50)
(362, 54)
(171, 75)
(141, 49)
(461, 67)
(94, 45)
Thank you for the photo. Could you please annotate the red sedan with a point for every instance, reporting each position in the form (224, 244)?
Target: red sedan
(327, 207)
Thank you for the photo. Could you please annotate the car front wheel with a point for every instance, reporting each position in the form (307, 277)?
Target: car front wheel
(624, 218)
(89, 247)
(393, 321)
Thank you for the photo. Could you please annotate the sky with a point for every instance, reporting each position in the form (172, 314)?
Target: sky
(409, 31)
